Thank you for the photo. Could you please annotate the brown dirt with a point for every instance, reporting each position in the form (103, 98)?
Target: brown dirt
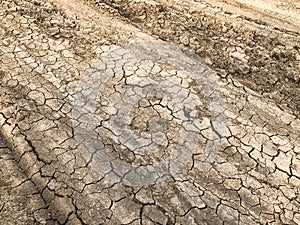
(237, 133)
(272, 54)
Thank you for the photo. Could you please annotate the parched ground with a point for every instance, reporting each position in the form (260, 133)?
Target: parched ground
(149, 112)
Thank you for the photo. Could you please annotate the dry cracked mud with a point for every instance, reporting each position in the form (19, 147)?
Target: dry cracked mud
(149, 112)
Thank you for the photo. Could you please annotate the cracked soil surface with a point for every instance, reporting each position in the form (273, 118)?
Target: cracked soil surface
(149, 112)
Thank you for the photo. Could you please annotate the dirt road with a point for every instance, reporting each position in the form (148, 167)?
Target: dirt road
(149, 112)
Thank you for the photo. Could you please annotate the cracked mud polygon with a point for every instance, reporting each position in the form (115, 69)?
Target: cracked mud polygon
(149, 112)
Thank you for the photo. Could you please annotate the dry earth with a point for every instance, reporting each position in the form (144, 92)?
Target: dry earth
(149, 112)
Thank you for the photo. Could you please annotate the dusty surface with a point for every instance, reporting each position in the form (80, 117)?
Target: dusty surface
(103, 123)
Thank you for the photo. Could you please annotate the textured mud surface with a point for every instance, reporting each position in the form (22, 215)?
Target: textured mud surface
(103, 123)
